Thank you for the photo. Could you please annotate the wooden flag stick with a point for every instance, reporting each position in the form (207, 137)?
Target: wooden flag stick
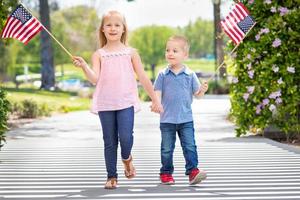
(52, 36)
(230, 53)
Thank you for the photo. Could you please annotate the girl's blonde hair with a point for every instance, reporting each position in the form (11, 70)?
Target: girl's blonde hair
(124, 36)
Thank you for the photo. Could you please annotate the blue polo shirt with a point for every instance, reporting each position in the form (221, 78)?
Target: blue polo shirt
(177, 94)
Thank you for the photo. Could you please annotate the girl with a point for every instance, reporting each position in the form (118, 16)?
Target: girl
(115, 99)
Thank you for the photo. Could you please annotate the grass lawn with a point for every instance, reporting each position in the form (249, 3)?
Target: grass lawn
(56, 101)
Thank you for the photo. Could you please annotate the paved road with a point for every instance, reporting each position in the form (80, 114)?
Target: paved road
(62, 158)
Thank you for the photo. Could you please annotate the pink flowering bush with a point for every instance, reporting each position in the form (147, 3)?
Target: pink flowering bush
(266, 69)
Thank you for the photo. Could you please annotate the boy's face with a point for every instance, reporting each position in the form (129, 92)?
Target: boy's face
(175, 52)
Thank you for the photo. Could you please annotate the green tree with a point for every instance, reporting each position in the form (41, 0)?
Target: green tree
(201, 36)
(5, 8)
(150, 41)
(265, 87)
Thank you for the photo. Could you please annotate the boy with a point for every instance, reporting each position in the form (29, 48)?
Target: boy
(175, 87)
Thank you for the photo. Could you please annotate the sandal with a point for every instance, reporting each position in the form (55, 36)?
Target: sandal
(129, 168)
(111, 183)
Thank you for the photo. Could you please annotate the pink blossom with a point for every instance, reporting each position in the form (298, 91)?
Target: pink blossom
(274, 95)
(251, 74)
(278, 100)
(249, 56)
(251, 2)
(291, 69)
(275, 68)
(235, 80)
(249, 65)
(283, 11)
(276, 43)
(272, 107)
(246, 96)
(279, 81)
(250, 89)
(257, 37)
(273, 9)
(267, 1)
(265, 102)
(265, 30)
(258, 109)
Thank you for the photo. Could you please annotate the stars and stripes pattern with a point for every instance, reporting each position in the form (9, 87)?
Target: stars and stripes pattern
(21, 25)
(237, 23)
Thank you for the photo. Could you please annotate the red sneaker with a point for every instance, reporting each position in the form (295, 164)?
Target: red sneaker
(167, 179)
(196, 176)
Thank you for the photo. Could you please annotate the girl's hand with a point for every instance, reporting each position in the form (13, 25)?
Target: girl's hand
(157, 107)
(79, 62)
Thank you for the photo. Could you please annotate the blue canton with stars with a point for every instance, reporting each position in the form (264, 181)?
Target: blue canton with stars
(246, 24)
(21, 14)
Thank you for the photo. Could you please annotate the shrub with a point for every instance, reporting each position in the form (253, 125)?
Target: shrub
(265, 88)
(4, 106)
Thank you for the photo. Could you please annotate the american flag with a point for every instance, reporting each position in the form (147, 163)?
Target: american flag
(237, 23)
(21, 25)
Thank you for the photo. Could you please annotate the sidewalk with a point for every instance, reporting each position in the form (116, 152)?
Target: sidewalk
(62, 158)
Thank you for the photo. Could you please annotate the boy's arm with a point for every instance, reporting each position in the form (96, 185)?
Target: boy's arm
(202, 90)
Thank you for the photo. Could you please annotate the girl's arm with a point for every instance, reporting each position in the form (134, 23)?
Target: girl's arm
(145, 81)
(91, 74)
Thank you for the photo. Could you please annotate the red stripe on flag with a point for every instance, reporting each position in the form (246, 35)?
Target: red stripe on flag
(37, 31)
(6, 27)
(234, 27)
(229, 32)
(29, 30)
(244, 8)
(23, 29)
(12, 27)
(241, 11)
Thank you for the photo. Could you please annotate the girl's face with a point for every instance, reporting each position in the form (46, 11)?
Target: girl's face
(113, 27)
(175, 53)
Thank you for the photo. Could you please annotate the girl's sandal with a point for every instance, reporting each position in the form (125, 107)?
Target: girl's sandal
(111, 183)
(129, 168)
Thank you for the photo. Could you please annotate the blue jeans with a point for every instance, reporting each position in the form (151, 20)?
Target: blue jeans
(187, 140)
(117, 126)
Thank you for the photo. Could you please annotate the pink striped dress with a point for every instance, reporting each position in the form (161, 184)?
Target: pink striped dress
(116, 87)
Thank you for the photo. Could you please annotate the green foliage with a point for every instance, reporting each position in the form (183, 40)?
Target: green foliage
(29, 108)
(200, 35)
(143, 95)
(150, 41)
(4, 105)
(218, 87)
(267, 70)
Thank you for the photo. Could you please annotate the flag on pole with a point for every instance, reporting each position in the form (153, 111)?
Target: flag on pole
(21, 25)
(237, 23)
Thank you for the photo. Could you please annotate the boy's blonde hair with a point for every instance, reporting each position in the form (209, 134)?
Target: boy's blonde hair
(124, 36)
(183, 40)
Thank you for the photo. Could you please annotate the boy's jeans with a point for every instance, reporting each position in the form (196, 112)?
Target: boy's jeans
(186, 136)
(116, 125)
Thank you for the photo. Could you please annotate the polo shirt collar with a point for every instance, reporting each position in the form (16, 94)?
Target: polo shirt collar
(184, 70)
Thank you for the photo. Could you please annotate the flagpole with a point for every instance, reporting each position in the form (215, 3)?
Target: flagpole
(52, 35)
(230, 53)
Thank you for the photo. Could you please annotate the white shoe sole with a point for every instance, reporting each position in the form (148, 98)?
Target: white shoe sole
(200, 177)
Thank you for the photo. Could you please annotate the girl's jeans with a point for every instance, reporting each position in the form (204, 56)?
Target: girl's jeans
(168, 138)
(117, 126)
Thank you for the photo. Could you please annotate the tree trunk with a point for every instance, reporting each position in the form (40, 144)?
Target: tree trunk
(218, 44)
(48, 74)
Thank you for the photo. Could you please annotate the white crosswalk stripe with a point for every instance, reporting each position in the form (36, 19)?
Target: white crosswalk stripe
(236, 171)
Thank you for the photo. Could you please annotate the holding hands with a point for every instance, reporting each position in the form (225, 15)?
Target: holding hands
(156, 107)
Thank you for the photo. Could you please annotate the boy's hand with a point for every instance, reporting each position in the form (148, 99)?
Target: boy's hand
(79, 62)
(204, 87)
